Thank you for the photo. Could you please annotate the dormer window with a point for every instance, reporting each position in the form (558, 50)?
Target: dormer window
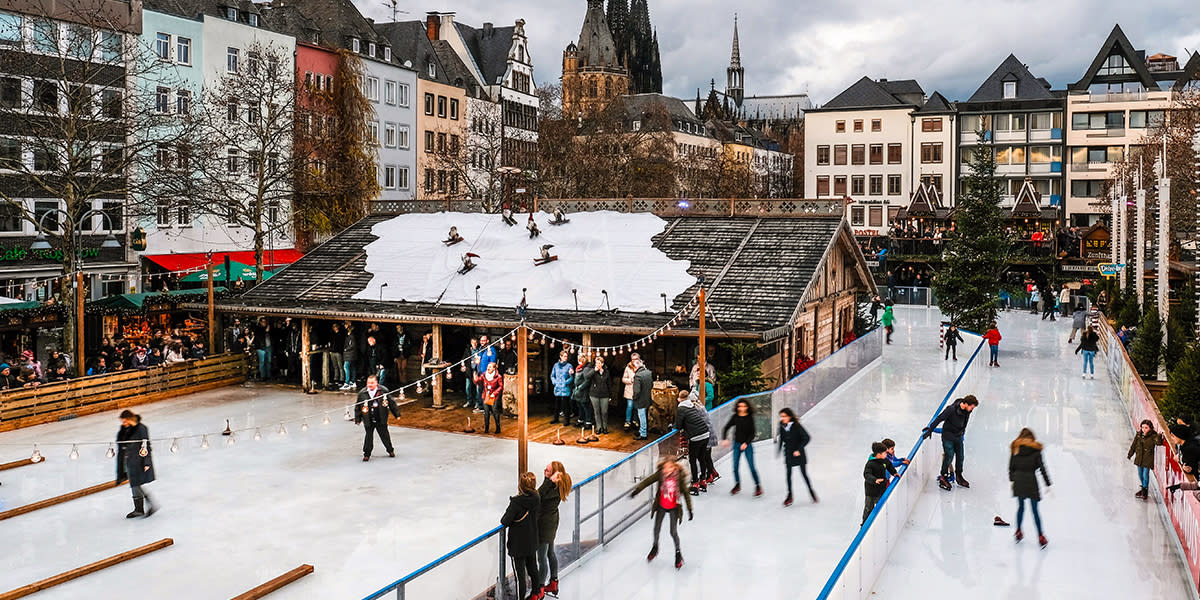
(387, 53)
(1010, 89)
(231, 13)
(355, 45)
(253, 19)
(433, 70)
(371, 50)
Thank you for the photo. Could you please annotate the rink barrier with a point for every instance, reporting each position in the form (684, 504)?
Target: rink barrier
(859, 568)
(600, 507)
(48, 502)
(76, 573)
(24, 462)
(1183, 508)
(275, 584)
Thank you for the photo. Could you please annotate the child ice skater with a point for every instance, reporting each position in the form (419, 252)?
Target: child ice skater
(1142, 453)
(875, 477)
(993, 339)
(672, 488)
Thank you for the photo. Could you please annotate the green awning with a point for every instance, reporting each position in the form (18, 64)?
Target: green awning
(241, 272)
(135, 301)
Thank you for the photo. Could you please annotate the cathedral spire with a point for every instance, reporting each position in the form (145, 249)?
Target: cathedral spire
(735, 60)
(735, 81)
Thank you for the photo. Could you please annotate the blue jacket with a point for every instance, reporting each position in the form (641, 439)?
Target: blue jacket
(486, 357)
(562, 376)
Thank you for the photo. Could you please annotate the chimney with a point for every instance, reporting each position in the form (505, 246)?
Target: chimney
(432, 26)
(487, 30)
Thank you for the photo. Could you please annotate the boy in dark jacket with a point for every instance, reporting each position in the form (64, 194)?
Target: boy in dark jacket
(954, 426)
(875, 477)
(952, 338)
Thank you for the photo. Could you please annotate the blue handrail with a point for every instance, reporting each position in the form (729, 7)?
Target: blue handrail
(429, 567)
(862, 532)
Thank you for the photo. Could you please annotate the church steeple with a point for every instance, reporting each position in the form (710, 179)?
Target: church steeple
(735, 82)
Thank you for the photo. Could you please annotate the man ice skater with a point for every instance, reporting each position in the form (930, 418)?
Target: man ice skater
(372, 410)
(954, 425)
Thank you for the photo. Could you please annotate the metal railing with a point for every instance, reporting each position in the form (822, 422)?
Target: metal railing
(665, 207)
(600, 507)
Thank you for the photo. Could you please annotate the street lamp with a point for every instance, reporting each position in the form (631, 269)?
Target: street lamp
(41, 243)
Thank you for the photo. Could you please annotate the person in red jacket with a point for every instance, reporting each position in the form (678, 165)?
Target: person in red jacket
(492, 384)
(993, 339)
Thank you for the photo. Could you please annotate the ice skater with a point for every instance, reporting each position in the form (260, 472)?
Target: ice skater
(554, 489)
(1078, 322)
(1142, 453)
(1023, 465)
(792, 440)
(952, 338)
(888, 321)
(672, 482)
(744, 432)
(521, 519)
(135, 462)
(562, 375)
(692, 424)
(891, 454)
(954, 426)
(374, 404)
(876, 474)
(492, 390)
(993, 339)
(1089, 344)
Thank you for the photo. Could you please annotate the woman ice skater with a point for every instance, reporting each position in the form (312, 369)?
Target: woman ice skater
(554, 489)
(792, 440)
(1023, 465)
(521, 520)
(744, 432)
(134, 461)
(669, 497)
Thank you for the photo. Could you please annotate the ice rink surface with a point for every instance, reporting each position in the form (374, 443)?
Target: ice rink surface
(1103, 542)
(244, 514)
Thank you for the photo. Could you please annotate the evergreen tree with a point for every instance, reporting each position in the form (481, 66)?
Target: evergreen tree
(1180, 325)
(1146, 351)
(1182, 398)
(1131, 309)
(967, 286)
(745, 374)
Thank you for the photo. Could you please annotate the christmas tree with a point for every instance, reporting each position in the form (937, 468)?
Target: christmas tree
(1182, 398)
(1180, 325)
(1146, 351)
(967, 285)
(744, 375)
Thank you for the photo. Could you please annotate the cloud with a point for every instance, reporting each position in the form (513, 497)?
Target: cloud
(793, 46)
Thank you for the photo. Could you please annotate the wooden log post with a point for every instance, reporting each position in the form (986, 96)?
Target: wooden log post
(587, 341)
(438, 383)
(48, 502)
(212, 311)
(305, 355)
(275, 584)
(522, 400)
(99, 565)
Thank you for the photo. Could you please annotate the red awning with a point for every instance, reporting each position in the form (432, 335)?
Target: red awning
(196, 260)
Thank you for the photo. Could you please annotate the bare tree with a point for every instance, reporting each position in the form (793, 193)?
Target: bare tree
(471, 164)
(82, 126)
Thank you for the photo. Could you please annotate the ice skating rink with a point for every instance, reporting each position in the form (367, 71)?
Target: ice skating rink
(244, 514)
(1103, 542)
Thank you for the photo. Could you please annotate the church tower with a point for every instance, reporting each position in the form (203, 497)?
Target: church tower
(640, 52)
(592, 73)
(735, 82)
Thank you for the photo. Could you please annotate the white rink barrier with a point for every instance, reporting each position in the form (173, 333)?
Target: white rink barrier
(860, 566)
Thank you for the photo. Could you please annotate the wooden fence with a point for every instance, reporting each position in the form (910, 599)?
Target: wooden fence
(89, 395)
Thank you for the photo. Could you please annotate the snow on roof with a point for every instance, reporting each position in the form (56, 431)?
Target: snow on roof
(596, 251)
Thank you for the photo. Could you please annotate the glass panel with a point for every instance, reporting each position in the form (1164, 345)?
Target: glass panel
(1018, 122)
(1017, 156)
(1039, 154)
(10, 29)
(1079, 121)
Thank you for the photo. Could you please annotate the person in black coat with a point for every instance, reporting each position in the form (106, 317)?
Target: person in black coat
(350, 358)
(876, 474)
(599, 393)
(134, 462)
(554, 489)
(376, 359)
(954, 426)
(643, 396)
(1023, 465)
(952, 338)
(521, 519)
(744, 432)
(371, 410)
(792, 440)
(1189, 448)
(508, 359)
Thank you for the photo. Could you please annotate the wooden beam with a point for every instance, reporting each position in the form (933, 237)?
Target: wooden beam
(700, 387)
(438, 382)
(99, 565)
(80, 369)
(48, 502)
(212, 313)
(305, 357)
(17, 463)
(274, 584)
(522, 400)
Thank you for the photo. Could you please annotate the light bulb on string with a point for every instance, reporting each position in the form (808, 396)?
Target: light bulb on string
(325, 419)
(36, 457)
(204, 442)
(257, 434)
(304, 425)
(449, 374)
(232, 439)
(175, 446)
(74, 455)
(282, 429)
(402, 394)
(112, 451)
(145, 449)
(347, 416)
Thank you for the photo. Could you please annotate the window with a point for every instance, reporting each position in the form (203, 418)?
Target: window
(1086, 188)
(253, 19)
(876, 217)
(840, 127)
(231, 111)
(822, 155)
(839, 185)
(10, 29)
(162, 156)
(1010, 89)
(893, 185)
(47, 210)
(115, 211)
(441, 106)
(253, 60)
(45, 36)
(231, 13)
(1115, 65)
(389, 177)
(876, 125)
(441, 182)
(1141, 119)
(1045, 121)
(373, 131)
(387, 53)
(877, 154)
(183, 215)
(839, 154)
(429, 141)
(934, 180)
(183, 156)
(231, 60)
(931, 124)
(183, 50)
(373, 89)
(162, 100)
(10, 92)
(389, 92)
(454, 144)
(1045, 154)
(822, 185)
(432, 70)
(1099, 120)
(162, 213)
(45, 96)
(44, 160)
(328, 82)
(402, 137)
(857, 185)
(453, 183)
(876, 185)
(856, 215)
(858, 126)
(931, 152)
(858, 154)
(429, 104)
(403, 94)
(253, 163)
(183, 102)
(111, 104)
(111, 159)
(389, 135)
(79, 100)
(355, 45)
(162, 46)
(454, 109)
(10, 153)
(895, 156)
(441, 142)
(371, 49)
(430, 179)
(232, 162)
(402, 178)
(110, 46)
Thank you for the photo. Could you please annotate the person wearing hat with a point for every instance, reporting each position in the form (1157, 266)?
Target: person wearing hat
(140, 359)
(7, 379)
(134, 461)
(29, 361)
(1189, 448)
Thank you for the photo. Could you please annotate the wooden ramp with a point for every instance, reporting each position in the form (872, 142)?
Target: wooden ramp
(24, 462)
(62, 578)
(28, 508)
(274, 584)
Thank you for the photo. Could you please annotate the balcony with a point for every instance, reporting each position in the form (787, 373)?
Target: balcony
(1090, 167)
(1112, 132)
(1118, 97)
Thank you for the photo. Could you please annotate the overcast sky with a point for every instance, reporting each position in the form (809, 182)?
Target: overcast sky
(793, 46)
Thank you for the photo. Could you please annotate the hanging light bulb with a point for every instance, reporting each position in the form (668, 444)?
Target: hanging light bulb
(304, 425)
(112, 451)
(204, 442)
(257, 434)
(449, 374)
(36, 457)
(282, 429)
(74, 455)
(347, 416)
(232, 439)
(175, 446)
(402, 394)
(325, 419)
(145, 449)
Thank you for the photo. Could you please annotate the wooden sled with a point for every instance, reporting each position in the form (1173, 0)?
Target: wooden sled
(562, 222)
(451, 242)
(509, 221)
(465, 270)
(537, 262)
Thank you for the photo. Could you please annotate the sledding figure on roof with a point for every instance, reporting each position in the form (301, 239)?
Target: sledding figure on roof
(506, 214)
(546, 257)
(452, 238)
(533, 228)
(467, 263)
(560, 217)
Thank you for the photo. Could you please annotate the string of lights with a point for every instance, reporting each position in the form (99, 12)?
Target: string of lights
(618, 349)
